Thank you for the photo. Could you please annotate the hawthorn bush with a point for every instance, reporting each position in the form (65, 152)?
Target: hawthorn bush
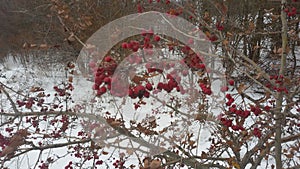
(155, 101)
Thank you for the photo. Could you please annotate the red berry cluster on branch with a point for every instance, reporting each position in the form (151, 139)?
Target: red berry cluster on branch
(290, 11)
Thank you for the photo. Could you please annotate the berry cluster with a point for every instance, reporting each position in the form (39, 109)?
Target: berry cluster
(256, 132)
(292, 11)
(69, 166)
(279, 81)
(241, 113)
(102, 75)
(219, 26)
(119, 164)
(230, 99)
(205, 89)
(256, 110)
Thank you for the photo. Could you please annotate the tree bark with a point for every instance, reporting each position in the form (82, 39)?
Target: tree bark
(278, 114)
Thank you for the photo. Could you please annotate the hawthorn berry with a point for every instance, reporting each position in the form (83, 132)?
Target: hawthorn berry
(146, 39)
(231, 82)
(146, 94)
(245, 114)
(219, 26)
(213, 38)
(99, 79)
(124, 45)
(256, 110)
(160, 86)
(95, 87)
(99, 162)
(108, 59)
(267, 108)
(139, 91)
(135, 47)
(157, 38)
(101, 91)
(286, 10)
(235, 127)
(139, 8)
(256, 132)
(144, 32)
(107, 80)
(226, 122)
(149, 86)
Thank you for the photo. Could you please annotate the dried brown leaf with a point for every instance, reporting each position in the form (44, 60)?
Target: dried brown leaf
(155, 164)
(241, 88)
(7, 150)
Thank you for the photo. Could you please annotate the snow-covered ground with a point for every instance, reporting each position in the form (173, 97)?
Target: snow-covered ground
(20, 77)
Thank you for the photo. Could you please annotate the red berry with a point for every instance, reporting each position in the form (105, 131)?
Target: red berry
(167, 87)
(246, 113)
(151, 32)
(219, 26)
(257, 111)
(108, 59)
(146, 94)
(213, 38)
(226, 122)
(224, 88)
(144, 33)
(228, 96)
(124, 45)
(286, 10)
(149, 86)
(99, 79)
(135, 48)
(107, 80)
(201, 66)
(99, 162)
(139, 8)
(169, 76)
(235, 127)
(157, 38)
(136, 106)
(28, 105)
(95, 87)
(139, 91)
(267, 108)
(103, 89)
(146, 39)
(256, 132)
(160, 85)
(231, 82)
